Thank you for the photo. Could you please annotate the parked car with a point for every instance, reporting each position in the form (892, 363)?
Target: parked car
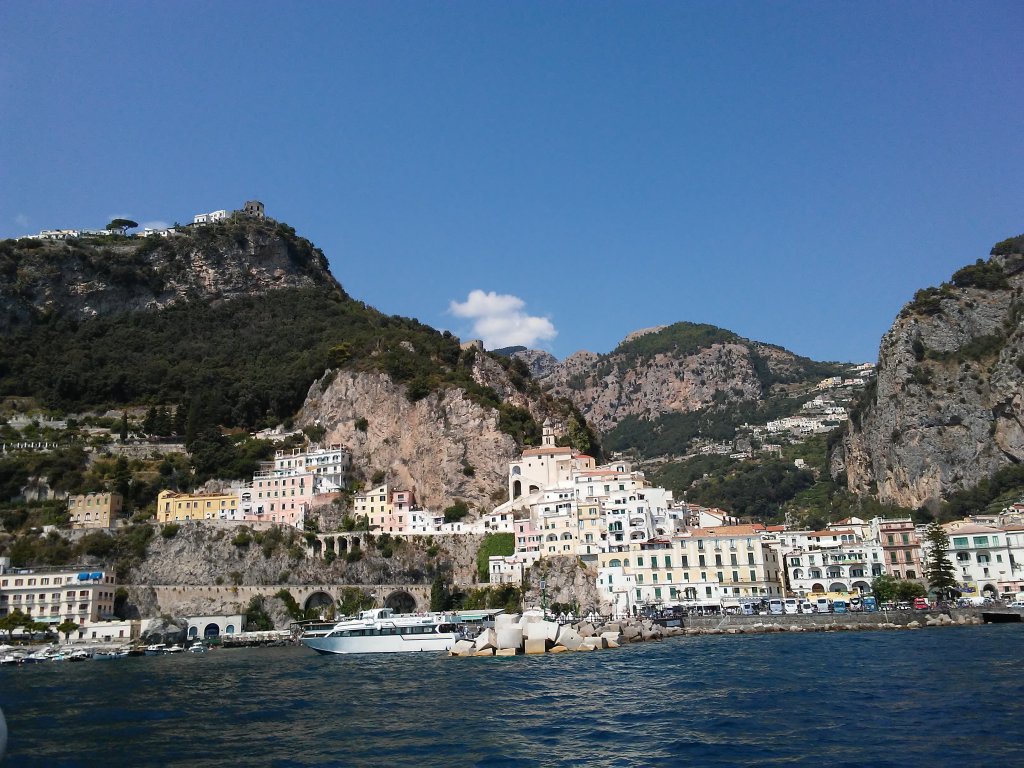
(775, 606)
(903, 605)
(823, 605)
(792, 605)
(806, 606)
(921, 604)
(1017, 604)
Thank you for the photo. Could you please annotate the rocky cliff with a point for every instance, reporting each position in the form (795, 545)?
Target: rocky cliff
(948, 410)
(675, 369)
(444, 446)
(98, 276)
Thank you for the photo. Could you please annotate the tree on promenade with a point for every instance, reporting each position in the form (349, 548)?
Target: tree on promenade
(66, 627)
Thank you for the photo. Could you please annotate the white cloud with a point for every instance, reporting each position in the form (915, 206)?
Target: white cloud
(499, 320)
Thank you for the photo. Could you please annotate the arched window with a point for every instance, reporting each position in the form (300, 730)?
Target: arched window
(616, 563)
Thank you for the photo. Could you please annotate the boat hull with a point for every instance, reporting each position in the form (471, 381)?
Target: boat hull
(381, 644)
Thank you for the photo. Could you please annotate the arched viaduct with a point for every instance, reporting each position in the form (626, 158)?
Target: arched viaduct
(404, 598)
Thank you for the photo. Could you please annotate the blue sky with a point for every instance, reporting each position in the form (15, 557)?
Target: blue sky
(556, 174)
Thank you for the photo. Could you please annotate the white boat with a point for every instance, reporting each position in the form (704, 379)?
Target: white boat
(381, 630)
(157, 649)
(196, 648)
(175, 649)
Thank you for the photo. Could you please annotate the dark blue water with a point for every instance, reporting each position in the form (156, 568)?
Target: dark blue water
(932, 697)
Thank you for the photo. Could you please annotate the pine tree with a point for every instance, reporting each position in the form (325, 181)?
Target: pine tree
(124, 426)
(149, 423)
(940, 570)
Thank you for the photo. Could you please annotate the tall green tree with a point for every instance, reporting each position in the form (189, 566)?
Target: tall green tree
(940, 570)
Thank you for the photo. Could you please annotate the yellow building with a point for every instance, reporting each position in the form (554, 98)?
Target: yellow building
(95, 510)
(177, 507)
(375, 505)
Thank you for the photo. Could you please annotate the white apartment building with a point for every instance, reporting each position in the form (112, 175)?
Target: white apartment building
(210, 218)
(53, 595)
(982, 559)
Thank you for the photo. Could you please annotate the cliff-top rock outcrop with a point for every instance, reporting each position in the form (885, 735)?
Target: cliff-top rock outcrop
(91, 277)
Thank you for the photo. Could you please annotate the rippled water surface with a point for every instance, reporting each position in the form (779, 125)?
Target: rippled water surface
(931, 697)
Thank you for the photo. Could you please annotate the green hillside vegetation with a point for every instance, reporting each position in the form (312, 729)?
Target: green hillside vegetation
(679, 339)
(671, 433)
(768, 490)
(250, 360)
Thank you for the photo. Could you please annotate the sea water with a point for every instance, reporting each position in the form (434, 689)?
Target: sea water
(935, 697)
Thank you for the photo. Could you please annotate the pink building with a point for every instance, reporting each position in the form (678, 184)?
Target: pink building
(527, 540)
(279, 496)
(904, 558)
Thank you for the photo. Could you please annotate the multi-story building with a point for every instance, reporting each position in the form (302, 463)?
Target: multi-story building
(699, 568)
(329, 465)
(904, 556)
(844, 568)
(544, 467)
(54, 595)
(174, 507)
(95, 510)
(373, 504)
(981, 557)
(1014, 585)
(528, 539)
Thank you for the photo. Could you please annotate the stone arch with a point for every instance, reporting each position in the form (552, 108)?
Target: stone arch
(837, 586)
(818, 589)
(400, 601)
(534, 489)
(342, 544)
(862, 586)
(193, 632)
(989, 590)
(517, 489)
(229, 629)
(318, 548)
(211, 630)
(317, 600)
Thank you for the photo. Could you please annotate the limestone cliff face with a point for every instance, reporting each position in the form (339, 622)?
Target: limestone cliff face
(948, 410)
(665, 377)
(102, 276)
(425, 446)
(540, 363)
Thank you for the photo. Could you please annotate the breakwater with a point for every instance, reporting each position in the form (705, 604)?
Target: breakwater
(515, 634)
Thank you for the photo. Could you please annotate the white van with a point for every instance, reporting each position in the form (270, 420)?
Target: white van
(775, 606)
(823, 605)
(792, 605)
